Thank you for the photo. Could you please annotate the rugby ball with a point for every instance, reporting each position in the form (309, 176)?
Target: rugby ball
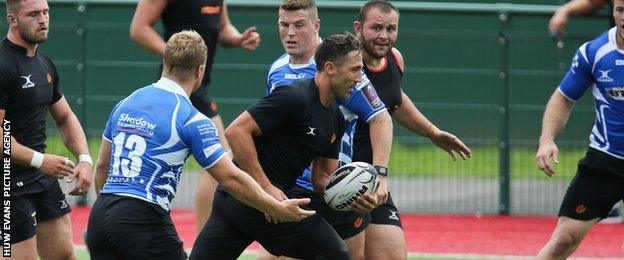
(349, 182)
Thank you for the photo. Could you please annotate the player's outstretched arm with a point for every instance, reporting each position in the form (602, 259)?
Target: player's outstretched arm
(102, 166)
(245, 189)
(555, 118)
(229, 36)
(240, 135)
(142, 30)
(559, 21)
(75, 140)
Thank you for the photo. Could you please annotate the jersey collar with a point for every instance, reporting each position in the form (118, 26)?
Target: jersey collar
(14, 46)
(171, 86)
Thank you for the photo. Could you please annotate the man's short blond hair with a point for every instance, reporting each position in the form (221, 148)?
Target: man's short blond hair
(184, 52)
(296, 5)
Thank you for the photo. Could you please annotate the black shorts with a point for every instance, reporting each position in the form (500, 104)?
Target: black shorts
(233, 226)
(597, 186)
(386, 214)
(39, 201)
(127, 228)
(346, 223)
(204, 103)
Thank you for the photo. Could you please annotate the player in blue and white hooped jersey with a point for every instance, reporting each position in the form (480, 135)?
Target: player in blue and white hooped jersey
(298, 30)
(597, 65)
(147, 139)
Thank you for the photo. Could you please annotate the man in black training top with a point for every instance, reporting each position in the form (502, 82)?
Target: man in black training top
(29, 88)
(274, 141)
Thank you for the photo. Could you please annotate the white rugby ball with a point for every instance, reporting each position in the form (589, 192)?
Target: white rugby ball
(349, 182)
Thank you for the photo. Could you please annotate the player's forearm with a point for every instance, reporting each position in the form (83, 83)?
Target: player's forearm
(411, 118)
(148, 38)
(578, 7)
(20, 154)
(230, 37)
(321, 174)
(556, 116)
(245, 154)
(73, 137)
(381, 138)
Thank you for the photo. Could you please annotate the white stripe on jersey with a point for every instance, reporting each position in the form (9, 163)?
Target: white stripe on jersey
(606, 48)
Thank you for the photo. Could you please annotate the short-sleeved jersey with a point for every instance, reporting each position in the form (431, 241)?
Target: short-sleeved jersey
(599, 65)
(363, 103)
(153, 131)
(296, 129)
(203, 16)
(387, 82)
(28, 86)
(284, 73)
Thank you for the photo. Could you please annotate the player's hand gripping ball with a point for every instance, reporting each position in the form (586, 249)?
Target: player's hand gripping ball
(349, 182)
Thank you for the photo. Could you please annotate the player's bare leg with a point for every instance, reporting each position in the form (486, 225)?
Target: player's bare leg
(207, 185)
(566, 238)
(25, 250)
(356, 246)
(54, 239)
(393, 245)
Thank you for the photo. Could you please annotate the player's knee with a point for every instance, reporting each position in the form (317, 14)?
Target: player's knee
(562, 244)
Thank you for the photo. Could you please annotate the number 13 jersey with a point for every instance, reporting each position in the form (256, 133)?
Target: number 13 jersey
(152, 132)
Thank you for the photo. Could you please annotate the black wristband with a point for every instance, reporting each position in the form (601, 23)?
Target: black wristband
(383, 171)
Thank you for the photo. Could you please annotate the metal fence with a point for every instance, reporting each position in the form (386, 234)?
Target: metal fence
(481, 71)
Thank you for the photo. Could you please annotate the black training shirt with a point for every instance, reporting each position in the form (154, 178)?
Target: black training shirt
(28, 86)
(296, 128)
(202, 16)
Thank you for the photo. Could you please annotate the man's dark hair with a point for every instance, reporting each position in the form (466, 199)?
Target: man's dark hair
(334, 48)
(383, 6)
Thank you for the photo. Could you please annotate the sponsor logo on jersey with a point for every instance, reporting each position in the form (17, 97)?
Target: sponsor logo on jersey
(28, 83)
(616, 93)
(211, 10)
(136, 123)
(372, 97)
(311, 131)
(295, 76)
(619, 62)
(208, 151)
(580, 209)
(604, 76)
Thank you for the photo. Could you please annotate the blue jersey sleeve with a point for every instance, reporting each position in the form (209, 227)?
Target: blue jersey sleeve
(364, 101)
(108, 129)
(579, 77)
(200, 135)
